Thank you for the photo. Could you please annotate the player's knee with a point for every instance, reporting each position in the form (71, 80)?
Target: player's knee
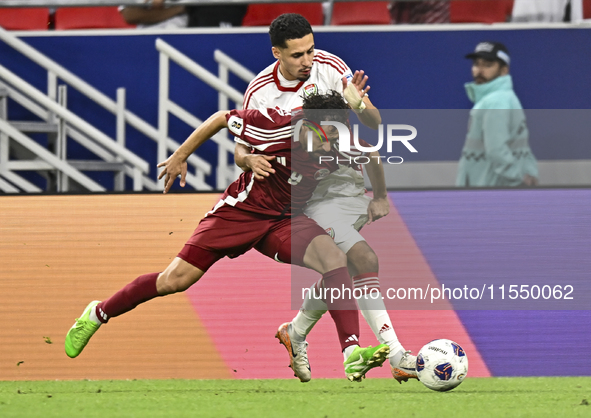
(370, 262)
(364, 260)
(334, 258)
(173, 282)
(323, 255)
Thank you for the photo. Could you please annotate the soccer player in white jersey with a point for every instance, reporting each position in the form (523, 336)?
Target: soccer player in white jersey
(339, 204)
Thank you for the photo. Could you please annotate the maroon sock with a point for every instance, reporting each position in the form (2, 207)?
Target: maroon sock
(343, 309)
(139, 291)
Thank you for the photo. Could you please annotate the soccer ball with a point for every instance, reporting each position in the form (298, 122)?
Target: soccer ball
(442, 365)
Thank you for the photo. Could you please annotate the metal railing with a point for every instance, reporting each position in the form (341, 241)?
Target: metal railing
(45, 106)
(113, 154)
(226, 170)
(75, 121)
(227, 64)
(52, 161)
(109, 150)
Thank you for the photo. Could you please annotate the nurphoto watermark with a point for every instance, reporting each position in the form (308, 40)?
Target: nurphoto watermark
(387, 135)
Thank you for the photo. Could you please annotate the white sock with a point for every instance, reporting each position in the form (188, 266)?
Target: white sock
(374, 311)
(93, 317)
(396, 356)
(347, 351)
(311, 311)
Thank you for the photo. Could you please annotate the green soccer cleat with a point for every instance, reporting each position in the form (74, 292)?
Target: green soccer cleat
(79, 335)
(363, 360)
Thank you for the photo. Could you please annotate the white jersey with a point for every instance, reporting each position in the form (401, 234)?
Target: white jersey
(270, 89)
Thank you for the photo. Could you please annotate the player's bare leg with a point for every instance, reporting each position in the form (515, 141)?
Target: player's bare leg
(363, 266)
(177, 277)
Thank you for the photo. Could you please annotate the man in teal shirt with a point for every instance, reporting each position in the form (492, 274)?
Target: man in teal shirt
(496, 152)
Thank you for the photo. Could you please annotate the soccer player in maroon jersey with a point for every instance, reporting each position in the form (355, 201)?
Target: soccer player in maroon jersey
(265, 215)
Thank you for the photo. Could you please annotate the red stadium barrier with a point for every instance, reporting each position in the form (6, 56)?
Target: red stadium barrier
(89, 18)
(361, 13)
(24, 19)
(264, 14)
(482, 11)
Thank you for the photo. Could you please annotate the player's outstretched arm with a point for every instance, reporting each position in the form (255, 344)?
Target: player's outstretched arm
(259, 164)
(356, 94)
(379, 205)
(177, 163)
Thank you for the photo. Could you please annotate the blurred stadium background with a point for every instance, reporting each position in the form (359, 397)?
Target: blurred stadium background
(87, 109)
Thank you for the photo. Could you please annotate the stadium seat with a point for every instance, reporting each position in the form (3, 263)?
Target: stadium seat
(360, 13)
(586, 9)
(89, 18)
(24, 19)
(481, 11)
(264, 14)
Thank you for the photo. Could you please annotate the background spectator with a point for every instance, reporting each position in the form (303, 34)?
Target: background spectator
(159, 15)
(435, 11)
(156, 15)
(540, 11)
(496, 151)
(216, 16)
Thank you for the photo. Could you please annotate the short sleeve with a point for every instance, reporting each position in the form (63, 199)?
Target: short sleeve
(235, 123)
(260, 128)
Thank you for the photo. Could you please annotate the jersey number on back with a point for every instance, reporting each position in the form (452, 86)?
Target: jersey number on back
(295, 178)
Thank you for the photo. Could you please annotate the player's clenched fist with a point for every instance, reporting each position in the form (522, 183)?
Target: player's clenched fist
(378, 208)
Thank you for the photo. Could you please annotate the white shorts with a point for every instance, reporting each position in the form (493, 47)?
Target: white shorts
(342, 218)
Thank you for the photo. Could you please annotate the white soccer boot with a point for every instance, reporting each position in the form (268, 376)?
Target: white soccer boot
(297, 350)
(407, 368)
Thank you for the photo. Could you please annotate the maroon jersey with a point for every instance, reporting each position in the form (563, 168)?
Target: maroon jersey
(269, 132)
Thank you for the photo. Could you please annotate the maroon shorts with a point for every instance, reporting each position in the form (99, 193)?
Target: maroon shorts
(231, 232)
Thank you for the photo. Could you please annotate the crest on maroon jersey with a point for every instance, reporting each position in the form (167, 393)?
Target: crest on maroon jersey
(322, 173)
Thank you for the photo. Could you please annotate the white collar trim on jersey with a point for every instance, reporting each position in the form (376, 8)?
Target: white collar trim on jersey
(284, 81)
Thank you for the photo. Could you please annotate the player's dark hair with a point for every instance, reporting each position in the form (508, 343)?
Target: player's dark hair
(288, 26)
(329, 106)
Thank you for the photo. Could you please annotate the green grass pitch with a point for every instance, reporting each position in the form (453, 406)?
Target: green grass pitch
(477, 397)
